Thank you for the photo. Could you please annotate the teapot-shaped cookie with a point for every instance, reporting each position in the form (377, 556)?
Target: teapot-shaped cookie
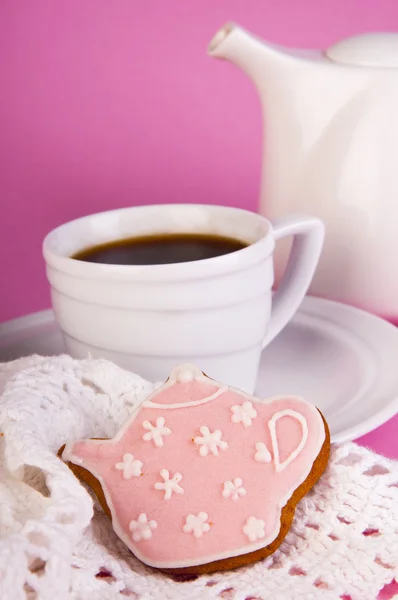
(331, 147)
(203, 476)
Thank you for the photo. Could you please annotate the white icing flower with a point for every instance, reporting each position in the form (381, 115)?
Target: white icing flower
(169, 485)
(254, 529)
(130, 466)
(156, 432)
(234, 489)
(142, 528)
(210, 442)
(243, 413)
(196, 524)
(262, 454)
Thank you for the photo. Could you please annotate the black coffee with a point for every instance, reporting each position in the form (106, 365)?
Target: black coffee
(160, 249)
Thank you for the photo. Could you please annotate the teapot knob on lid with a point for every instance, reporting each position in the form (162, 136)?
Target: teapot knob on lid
(378, 50)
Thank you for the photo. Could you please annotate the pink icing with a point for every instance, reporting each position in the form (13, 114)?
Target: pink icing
(230, 502)
(194, 391)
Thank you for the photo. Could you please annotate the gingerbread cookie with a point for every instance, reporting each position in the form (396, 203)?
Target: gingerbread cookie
(203, 477)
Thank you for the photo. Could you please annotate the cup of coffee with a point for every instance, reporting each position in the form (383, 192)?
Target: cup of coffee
(150, 287)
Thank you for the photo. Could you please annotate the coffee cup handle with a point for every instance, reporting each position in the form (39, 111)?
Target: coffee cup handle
(308, 236)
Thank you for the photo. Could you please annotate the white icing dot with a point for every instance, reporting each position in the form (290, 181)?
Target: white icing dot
(169, 485)
(142, 528)
(130, 466)
(234, 489)
(186, 373)
(210, 441)
(243, 413)
(196, 524)
(254, 529)
(156, 432)
(262, 454)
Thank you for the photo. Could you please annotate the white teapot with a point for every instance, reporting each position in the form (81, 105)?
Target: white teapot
(332, 151)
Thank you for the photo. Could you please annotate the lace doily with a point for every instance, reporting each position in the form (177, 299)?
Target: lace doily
(55, 543)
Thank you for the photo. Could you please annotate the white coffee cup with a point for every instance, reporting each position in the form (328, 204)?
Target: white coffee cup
(215, 313)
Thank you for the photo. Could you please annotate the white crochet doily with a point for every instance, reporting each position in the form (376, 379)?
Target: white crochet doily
(54, 544)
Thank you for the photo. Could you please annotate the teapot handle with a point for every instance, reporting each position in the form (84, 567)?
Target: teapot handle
(308, 236)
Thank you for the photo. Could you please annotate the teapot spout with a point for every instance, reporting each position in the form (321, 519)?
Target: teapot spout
(246, 51)
(85, 453)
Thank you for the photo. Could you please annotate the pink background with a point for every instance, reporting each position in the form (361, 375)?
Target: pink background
(111, 103)
(106, 104)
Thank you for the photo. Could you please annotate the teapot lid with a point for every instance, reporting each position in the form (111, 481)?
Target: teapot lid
(367, 50)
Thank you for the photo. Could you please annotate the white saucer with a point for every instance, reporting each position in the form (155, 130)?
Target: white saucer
(342, 359)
